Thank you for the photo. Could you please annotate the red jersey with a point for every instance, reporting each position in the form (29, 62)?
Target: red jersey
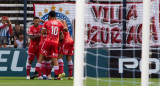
(34, 31)
(66, 46)
(43, 37)
(67, 36)
(53, 27)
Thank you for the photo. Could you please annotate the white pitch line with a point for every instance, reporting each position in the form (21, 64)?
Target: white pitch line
(17, 84)
(27, 84)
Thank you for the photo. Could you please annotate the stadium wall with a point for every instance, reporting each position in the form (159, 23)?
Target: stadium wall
(114, 62)
(13, 62)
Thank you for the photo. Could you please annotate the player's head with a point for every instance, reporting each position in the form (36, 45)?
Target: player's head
(52, 15)
(36, 21)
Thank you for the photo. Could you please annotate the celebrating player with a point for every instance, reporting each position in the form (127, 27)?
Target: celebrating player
(50, 45)
(46, 63)
(34, 33)
(66, 48)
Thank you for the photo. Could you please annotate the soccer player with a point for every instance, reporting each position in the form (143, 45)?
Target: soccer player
(34, 33)
(46, 63)
(53, 27)
(66, 48)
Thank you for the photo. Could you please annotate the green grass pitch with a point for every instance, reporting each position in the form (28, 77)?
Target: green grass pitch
(21, 81)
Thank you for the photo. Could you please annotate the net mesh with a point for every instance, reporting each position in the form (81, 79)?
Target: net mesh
(109, 61)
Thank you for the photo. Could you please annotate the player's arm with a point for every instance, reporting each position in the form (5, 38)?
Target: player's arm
(42, 21)
(61, 36)
(32, 35)
(65, 25)
(27, 42)
(35, 36)
(43, 31)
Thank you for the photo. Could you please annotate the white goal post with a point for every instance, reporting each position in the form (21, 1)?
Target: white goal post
(145, 43)
(79, 43)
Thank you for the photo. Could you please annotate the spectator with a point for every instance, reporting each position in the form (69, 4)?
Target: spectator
(18, 42)
(5, 26)
(18, 30)
(21, 28)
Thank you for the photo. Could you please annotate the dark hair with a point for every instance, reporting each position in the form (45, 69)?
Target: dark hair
(17, 23)
(36, 17)
(52, 14)
(21, 33)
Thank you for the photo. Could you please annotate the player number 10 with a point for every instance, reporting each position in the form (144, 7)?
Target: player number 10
(54, 30)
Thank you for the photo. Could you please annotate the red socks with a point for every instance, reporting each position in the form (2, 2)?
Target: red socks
(49, 67)
(56, 70)
(61, 65)
(70, 68)
(44, 67)
(38, 68)
(28, 69)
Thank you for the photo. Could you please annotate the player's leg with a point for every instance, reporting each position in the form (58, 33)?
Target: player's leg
(48, 66)
(28, 68)
(43, 51)
(31, 57)
(29, 63)
(49, 69)
(56, 68)
(38, 72)
(61, 47)
(69, 60)
(44, 68)
(54, 57)
(61, 66)
(70, 66)
(38, 67)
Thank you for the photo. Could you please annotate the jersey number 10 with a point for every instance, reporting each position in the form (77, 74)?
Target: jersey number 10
(54, 30)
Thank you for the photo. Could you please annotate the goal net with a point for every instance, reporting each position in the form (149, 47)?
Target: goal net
(113, 43)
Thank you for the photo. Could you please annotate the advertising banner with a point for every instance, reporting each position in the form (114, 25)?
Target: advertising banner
(104, 22)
